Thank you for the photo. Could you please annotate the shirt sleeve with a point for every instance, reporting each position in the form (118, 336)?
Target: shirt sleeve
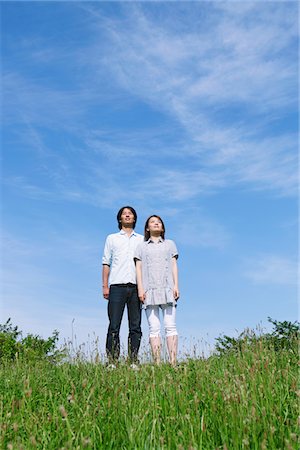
(138, 253)
(107, 253)
(173, 249)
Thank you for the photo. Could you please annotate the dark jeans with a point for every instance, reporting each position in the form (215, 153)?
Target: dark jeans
(119, 295)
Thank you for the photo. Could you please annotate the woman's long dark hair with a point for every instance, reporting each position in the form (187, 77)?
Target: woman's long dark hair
(147, 232)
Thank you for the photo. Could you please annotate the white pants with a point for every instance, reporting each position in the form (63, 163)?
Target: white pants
(169, 314)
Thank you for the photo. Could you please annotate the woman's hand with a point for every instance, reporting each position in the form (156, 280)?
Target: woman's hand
(141, 295)
(176, 292)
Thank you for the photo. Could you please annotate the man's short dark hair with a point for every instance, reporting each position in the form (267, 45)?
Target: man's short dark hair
(120, 213)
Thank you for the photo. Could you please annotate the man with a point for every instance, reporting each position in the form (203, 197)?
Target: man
(119, 286)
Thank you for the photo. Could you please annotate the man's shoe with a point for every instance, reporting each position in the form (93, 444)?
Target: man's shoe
(134, 366)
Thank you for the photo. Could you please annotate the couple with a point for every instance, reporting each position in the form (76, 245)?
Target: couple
(139, 271)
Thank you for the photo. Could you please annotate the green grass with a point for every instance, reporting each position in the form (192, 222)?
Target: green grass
(235, 401)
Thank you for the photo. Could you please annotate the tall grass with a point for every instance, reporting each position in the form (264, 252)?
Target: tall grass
(242, 400)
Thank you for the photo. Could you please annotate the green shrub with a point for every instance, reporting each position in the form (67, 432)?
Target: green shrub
(285, 335)
(13, 345)
(9, 344)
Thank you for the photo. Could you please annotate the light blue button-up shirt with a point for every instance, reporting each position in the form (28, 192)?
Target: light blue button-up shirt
(119, 250)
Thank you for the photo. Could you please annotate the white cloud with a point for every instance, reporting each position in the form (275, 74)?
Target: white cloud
(191, 72)
(272, 269)
(237, 61)
(196, 230)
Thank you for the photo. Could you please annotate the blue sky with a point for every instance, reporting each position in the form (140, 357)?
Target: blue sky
(187, 110)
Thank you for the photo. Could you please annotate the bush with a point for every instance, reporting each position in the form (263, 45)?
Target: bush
(284, 336)
(9, 345)
(13, 346)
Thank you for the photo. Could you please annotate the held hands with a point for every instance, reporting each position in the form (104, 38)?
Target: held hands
(105, 291)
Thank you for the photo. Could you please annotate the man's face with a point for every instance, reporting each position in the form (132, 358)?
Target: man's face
(127, 218)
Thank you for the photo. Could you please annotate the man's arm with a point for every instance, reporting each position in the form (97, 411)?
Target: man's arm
(106, 260)
(105, 275)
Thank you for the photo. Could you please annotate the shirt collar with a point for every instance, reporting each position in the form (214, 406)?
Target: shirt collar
(132, 234)
(160, 239)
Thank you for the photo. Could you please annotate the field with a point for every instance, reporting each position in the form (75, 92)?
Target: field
(239, 400)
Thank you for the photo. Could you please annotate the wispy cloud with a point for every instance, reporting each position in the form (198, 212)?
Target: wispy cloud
(272, 269)
(197, 77)
(202, 232)
(32, 281)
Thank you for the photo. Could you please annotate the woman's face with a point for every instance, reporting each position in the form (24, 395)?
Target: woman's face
(155, 225)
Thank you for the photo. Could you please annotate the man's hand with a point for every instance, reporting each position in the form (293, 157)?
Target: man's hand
(105, 292)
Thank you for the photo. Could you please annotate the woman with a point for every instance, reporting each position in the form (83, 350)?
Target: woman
(157, 280)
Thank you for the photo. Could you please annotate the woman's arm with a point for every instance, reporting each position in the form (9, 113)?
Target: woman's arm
(175, 278)
(139, 280)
